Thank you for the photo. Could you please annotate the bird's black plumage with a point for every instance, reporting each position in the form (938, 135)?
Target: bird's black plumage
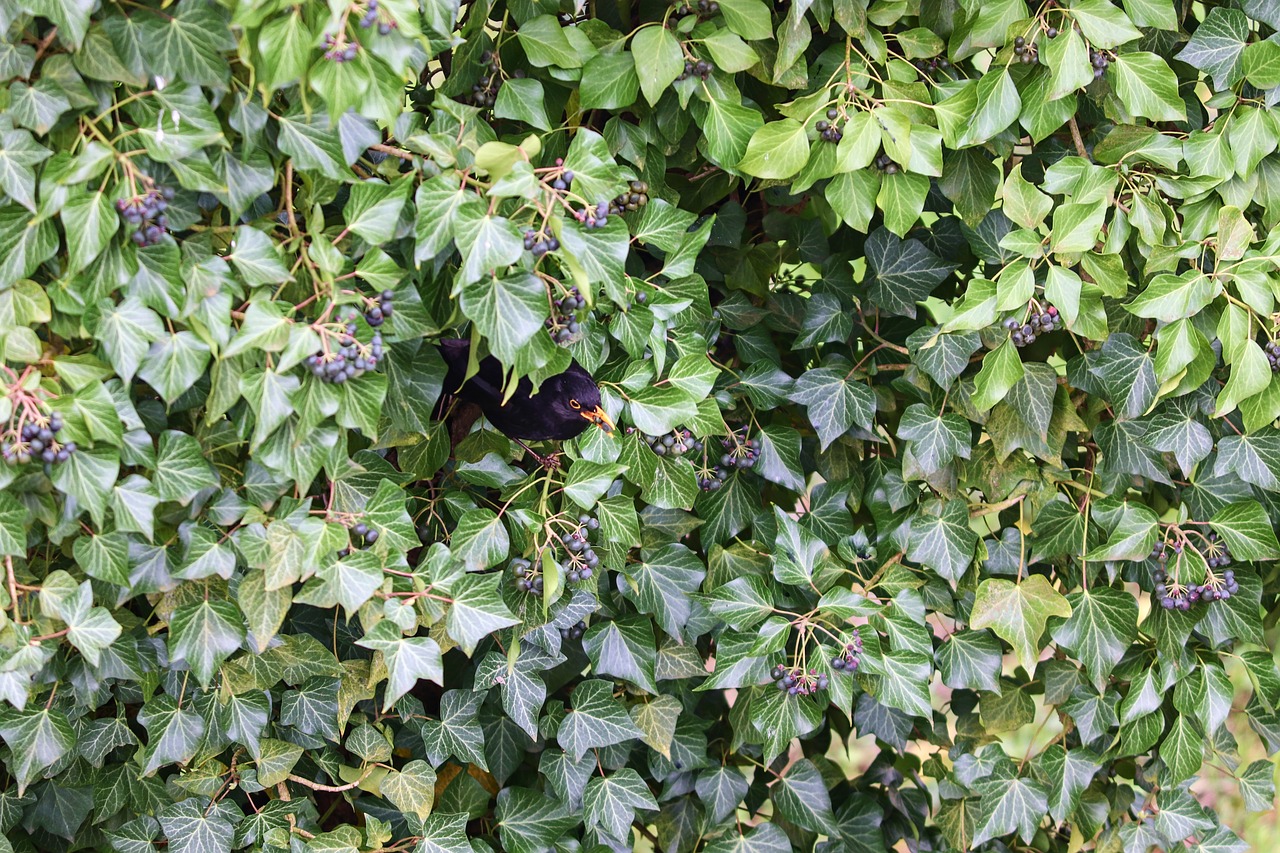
(565, 405)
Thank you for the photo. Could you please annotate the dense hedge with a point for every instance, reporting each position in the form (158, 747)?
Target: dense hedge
(940, 338)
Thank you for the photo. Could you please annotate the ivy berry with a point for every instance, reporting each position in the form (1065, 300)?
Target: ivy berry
(849, 657)
(797, 681)
(381, 310)
(38, 441)
(563, 325)
(583, 560)
(484, 92)
(527, 578)
(1272, 349)
(636, 197)
(538, 244)
(574, 632)
(147, 211)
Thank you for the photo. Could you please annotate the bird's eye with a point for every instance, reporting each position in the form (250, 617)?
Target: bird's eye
(575, 404)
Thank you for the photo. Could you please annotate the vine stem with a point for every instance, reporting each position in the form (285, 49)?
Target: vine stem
(1076, 138)
(331, 789)
(13, 587)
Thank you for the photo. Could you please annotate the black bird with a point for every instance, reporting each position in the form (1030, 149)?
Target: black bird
(565, 405)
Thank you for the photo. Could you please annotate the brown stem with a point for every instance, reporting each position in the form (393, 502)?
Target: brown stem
(1076, 138)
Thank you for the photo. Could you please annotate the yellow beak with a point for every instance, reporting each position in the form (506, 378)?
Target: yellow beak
(601, 419)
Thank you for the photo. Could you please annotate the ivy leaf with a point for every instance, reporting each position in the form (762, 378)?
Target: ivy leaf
(610, 802)
(1066, 774)
(477, 610)
(970, 660)
(1133, 536)
(37, 739)
(595, 719)
(663, 61)
(88, 476)
(661, 583)
(901, 680)
(93, 220)
(204, 635)
(905, 272)
(508, 310)
(835, 404)
(407, 659)
(197, 826)
(1147, 87)
(1001, 369)
(623, 649)
(1018, 613)
(174, 733)
(1217, 45)
(90, 629)
(801, 796)
(530, 821)
(412, 788)
(1102, 625)
(1128, 373)
(104, 557)
(1182, 750)
(776, 150)
(173, 364)
(1257, 785)
(181, 469)
(1247, 531)
(1009, 805)
(998, 107)
(942, 539)
(457, 732)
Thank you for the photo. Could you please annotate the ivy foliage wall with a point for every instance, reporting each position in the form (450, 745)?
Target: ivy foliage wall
(941, 338)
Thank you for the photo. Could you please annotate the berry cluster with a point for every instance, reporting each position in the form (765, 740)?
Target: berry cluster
(933, 64)
(38, 442)
(372, 17)
(564, 179)
(147, 211)
(338, 49)
(563, 325)
(1040, 323)
(848, 660)
(379, 312)
(1026, 53)
(352, 358)
(362, 532)
(528, 579)
(636, 197)
(885, 164)
(583, 559)
(485, 91)
(739, 452)
(596, 217)
(1099, 59)
(701, 69)
(702, 8)
(1173, 595)
(678, 442)
(827, 127)
(796, 681)
(1217, 554)
(574, 632)
(1272, 349)
(539, 244)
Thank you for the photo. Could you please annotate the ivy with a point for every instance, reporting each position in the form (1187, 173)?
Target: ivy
(942, 344)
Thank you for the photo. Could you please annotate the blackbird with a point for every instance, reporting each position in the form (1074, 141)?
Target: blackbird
(565, 405)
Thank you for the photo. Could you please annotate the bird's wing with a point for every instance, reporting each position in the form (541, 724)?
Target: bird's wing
(485, 388)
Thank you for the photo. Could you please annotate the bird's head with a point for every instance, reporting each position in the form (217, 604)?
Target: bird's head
(574, 394)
